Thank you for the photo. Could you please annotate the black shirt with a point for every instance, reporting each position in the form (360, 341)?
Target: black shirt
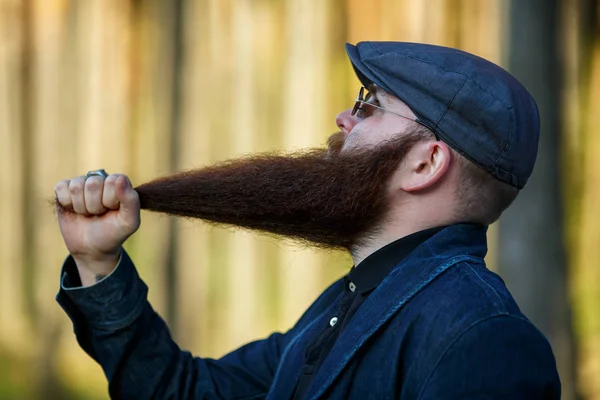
(360, 282)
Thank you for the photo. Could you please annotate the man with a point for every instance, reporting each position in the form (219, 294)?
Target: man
(434, 152)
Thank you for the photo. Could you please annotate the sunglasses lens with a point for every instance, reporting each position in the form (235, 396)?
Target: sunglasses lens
(356, 107)
(359, 100)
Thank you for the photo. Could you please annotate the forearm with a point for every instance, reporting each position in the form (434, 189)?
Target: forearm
(115, 325)
(141, 361)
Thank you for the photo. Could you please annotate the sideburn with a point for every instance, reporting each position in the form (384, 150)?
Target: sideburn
(321, 197)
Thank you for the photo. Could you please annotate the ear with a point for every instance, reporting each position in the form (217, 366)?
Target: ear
(424, 165)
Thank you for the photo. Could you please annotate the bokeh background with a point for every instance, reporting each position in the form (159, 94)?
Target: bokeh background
(149, 87)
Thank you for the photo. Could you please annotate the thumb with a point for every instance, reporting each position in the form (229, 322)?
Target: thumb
(127, 196)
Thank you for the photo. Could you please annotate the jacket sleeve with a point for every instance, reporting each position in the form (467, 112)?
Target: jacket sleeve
(117, 327)
(501, 357)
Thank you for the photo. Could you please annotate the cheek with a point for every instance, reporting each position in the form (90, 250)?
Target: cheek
(361, 137)
(350, 143)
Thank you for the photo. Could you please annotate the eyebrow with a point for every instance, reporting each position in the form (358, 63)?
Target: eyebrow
(372, 88)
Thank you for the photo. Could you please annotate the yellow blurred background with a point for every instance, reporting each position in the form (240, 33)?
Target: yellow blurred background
(147, 87)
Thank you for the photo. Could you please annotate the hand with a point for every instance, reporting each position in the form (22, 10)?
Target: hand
(95, 217)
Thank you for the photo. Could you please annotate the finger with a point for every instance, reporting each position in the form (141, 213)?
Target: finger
(109, 197)
(76, 189)
(93, 195)
(127, 196)
(63, 197)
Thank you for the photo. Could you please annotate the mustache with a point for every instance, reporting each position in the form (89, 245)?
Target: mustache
(323, 196)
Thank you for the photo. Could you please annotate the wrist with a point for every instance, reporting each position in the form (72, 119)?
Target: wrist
(93, 269)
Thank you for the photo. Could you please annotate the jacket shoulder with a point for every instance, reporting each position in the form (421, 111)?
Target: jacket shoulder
(466, 307)
(502, 356)
(472, 290)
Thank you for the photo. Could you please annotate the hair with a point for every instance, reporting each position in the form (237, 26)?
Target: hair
(479, 196)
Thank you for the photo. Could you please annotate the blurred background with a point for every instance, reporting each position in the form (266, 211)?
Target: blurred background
(149, 87)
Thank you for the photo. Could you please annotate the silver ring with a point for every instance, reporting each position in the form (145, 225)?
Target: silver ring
(98, 172)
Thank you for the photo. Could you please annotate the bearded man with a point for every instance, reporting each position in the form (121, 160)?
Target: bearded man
(436, 147)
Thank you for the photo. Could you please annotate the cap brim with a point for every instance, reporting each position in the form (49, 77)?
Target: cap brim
(364, 74)
(367, 78)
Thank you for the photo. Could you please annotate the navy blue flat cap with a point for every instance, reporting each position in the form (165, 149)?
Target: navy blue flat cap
(473, 105)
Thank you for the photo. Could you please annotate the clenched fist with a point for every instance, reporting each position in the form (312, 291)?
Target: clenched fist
(96, 215)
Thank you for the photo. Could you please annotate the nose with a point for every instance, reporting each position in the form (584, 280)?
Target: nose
(345, 121)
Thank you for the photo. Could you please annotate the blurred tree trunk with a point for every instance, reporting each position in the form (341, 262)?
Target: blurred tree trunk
(531, 238)
(45, 380)
(172, 21)
(27, 132)
(583, 192)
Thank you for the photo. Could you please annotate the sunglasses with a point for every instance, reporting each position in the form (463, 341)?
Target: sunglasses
(362, 101)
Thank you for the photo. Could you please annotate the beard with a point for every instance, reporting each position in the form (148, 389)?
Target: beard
(322, 197)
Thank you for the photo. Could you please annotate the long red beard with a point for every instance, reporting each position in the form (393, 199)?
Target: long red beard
(324, 197)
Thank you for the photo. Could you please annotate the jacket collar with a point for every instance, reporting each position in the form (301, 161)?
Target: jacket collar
(376, 267)
(442, 251)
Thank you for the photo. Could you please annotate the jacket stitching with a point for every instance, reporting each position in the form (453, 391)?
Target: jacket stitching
(452, 262)
(484, 282)
(458, 337)
(291, 342)
(122, 322)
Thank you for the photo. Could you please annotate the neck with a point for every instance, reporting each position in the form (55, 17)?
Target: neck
(380, 240)
(396, 227)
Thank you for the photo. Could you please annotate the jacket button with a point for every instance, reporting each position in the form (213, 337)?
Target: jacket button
(333, 321)
(352, 286)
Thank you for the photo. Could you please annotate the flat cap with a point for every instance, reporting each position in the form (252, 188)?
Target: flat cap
(473, 105)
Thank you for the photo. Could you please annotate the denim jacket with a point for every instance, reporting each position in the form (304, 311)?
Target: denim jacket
(440, 326)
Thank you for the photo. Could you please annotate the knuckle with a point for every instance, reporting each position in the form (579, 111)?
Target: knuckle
(60, 186)
(117, 176)
(111, 179)
(93, 183)
(75, 187)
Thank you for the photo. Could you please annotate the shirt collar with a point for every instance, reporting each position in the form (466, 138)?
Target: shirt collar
(367, 275)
